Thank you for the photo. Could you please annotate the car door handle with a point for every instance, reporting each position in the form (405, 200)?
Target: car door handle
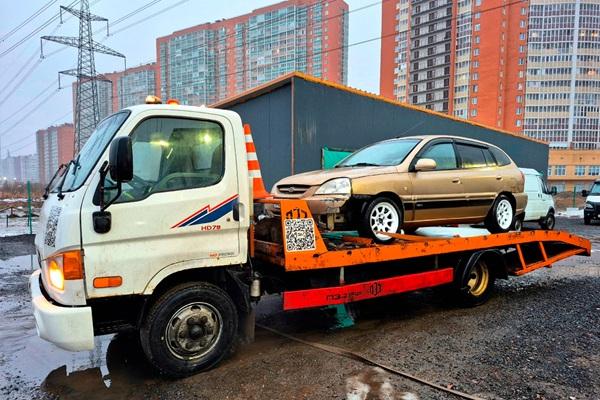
(499, 178)
(456, 180)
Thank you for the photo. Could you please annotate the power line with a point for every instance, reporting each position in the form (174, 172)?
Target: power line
(30, 142)
(34, 32)
(27, 20)
(150, 16)
(24, 106)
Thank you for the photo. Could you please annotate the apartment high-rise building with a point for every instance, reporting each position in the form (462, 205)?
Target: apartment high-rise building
(19, 168)
(209, 62)
(563, 73)
(126, 88)
(465, 58)
(54, 147)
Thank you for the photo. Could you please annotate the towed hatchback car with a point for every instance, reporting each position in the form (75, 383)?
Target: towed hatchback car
(406, 183)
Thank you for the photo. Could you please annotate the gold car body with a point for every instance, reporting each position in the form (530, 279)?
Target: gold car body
(428, 197)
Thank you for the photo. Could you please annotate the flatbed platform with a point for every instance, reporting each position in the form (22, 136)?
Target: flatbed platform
(411, 262)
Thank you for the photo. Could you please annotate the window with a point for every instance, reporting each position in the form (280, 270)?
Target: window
(560, 170)
(579, 170)
(173, 154)
(532, 183)
(549, 170)
(389, 152)
(473, 112)
(594, 170)
(477, 27)
(500, 156)
(443, 155)
(471, 156)
(489, 159)
(474, 100)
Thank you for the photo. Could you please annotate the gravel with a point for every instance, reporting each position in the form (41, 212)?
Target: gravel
(537, 338)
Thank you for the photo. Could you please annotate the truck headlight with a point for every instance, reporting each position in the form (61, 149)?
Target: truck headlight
(65, 266)
(55, 273)
(335, 186)
(589, 206)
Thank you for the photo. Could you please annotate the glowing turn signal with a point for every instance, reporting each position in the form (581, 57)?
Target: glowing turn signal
(173, 102)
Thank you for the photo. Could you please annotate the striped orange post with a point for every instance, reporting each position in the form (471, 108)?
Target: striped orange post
(258, 186)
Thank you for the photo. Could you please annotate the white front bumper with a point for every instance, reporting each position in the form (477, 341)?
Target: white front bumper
(70, 328)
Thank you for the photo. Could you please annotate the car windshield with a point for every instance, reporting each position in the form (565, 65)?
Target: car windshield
(595, 190)
(390, 152)
(79, 168)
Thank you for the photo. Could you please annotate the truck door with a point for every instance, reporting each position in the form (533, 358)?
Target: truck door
(176, 212)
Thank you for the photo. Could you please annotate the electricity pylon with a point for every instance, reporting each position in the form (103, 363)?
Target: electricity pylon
(87, 113)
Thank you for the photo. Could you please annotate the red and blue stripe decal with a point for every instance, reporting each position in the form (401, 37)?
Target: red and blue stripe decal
(208, 214)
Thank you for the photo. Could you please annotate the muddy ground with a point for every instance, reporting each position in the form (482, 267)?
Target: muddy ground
(537, 338)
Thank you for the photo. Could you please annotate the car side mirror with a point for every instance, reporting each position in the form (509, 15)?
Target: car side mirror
(425, 164)
(553, 191)
(120, 160)
(585, 193)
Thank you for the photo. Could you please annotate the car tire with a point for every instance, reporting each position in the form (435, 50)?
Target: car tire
(381, 214)
(548, 222)
(189, 329)
(500, 217)
(518, 224)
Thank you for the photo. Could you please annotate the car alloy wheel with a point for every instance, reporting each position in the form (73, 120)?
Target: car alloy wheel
(504, 214)
(384, 217)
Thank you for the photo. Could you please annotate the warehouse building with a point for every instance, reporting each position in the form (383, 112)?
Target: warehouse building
(297, 118)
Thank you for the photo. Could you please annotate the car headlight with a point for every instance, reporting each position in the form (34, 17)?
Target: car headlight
(335, 186)
(589, 206)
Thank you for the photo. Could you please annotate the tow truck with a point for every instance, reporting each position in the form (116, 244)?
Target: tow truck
(162, 225)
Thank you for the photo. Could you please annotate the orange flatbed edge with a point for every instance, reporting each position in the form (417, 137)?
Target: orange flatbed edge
(313, 254)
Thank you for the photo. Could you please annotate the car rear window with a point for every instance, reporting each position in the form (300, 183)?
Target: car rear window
(500, 156)
(471, 156)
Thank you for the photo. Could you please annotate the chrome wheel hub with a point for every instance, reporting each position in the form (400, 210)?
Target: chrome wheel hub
(504, 214)
(193, 331)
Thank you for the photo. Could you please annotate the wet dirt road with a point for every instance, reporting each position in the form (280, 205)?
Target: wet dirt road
(537, 338)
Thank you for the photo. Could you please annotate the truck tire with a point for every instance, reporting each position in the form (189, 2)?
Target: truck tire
(381, 214)
(189, 329)
(500, 217)
(478, 284)
(548, 221)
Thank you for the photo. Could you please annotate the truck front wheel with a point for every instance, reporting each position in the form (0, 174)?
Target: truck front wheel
(189, 329)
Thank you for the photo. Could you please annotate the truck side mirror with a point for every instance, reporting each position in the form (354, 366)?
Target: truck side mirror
(585, 193)
(120, 160)
(553, 191)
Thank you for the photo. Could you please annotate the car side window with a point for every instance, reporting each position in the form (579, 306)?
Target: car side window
(443, 154)
(173, 154)
(471, 156)
(532, 184)
(489, 159)
(500, 156)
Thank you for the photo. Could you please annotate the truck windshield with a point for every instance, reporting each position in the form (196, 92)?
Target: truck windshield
(81, 166)
(390, 152)
(595, 190)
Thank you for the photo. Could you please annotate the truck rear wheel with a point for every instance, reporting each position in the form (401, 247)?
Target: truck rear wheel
(189, 329)
(478, 284)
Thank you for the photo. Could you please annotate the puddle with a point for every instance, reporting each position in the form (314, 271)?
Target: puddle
(31, 367)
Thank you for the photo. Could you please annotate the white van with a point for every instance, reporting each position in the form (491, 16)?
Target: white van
(540, 204)
(591, 212)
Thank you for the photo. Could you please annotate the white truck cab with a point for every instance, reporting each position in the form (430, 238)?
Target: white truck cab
(158, 193)
(540, 203)
(591, 212)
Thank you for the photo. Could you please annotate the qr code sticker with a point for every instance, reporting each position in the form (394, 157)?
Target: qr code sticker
(51, 225)
(300, 234)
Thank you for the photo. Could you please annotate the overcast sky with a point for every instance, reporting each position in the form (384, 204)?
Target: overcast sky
(137, 43)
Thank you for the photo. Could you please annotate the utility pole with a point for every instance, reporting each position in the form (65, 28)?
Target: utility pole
(87, 113)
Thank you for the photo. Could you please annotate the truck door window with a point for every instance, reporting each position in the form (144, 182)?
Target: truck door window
(173, 154)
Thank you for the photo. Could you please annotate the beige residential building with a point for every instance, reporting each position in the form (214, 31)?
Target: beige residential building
(573, 169)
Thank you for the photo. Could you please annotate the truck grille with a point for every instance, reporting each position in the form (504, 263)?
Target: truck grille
(293, 189)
